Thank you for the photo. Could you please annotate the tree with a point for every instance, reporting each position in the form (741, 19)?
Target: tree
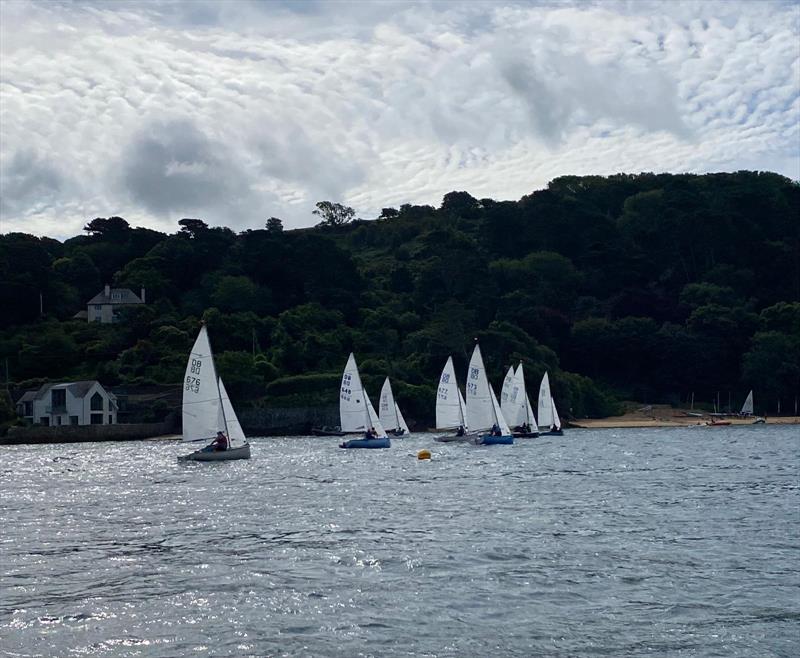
(389, 213)
(113, 229)
(193, 227)
(334, 214)
(274, 225)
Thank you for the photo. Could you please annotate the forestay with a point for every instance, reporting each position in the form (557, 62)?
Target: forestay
(201, 409)
(449, 401)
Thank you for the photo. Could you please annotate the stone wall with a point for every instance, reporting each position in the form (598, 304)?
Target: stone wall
(82, 433)
(297, 420)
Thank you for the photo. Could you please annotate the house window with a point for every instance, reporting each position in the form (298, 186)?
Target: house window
(98, 307)
(27, 409)
(97, 402)
(58, 399)
(58, 420)
(73, 420)
(44, 420)
(110, 419)
(96, 419)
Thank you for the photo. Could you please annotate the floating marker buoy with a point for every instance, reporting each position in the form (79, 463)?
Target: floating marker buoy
(424, 454)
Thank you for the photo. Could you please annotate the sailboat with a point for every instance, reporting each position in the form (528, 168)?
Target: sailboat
(548, 415)
(450, 407)
(390, 413)
(516, 405)
(485, 420)
(356, 412)
(747, 407)
(207, 409)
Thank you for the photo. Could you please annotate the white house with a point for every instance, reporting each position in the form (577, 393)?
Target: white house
(102, 307)
(73, 403)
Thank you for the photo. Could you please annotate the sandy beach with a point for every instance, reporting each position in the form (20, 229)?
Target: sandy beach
(666, 416)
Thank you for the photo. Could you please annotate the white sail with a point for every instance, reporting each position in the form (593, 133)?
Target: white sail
(374, 420)
(201, 410)
(449, 401)
(388, 411)
(483, 411)
(510, 387)
(545, 403)
(498, 415)
(747, 407)
(556, 419)
(230, 421)
(526, 414)
(401, 420)
(353, 413)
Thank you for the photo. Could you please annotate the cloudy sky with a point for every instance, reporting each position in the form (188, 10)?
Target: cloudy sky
(240, 110)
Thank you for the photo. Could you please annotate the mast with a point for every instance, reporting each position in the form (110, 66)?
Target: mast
(216, 380)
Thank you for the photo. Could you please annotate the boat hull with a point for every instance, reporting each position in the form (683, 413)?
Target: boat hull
(525, 435)
(217, 455)
(552, 432)
(322, 431)
(491, 440)
(367, 443)
(451, 438)
(396, 432)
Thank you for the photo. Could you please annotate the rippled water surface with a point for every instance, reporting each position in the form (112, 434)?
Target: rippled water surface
(601, 542)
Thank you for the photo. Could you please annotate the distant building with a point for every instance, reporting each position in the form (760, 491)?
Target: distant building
(73, 403)
(103, 306)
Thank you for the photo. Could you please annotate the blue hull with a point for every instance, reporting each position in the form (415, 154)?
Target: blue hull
(367, 443)
(489, 440)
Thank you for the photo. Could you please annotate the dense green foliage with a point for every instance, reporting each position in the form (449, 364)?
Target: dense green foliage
(646, 287)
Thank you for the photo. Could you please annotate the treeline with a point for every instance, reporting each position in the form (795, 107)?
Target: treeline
(645, 287)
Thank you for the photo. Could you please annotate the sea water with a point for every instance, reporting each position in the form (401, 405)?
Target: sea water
(656, 542)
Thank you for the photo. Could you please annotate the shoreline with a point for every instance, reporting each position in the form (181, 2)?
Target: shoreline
(638, 421)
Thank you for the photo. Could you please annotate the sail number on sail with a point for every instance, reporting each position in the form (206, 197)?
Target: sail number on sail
(193, 383)
(346, 392)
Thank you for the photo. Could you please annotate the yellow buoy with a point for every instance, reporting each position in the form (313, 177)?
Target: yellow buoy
(424, 454)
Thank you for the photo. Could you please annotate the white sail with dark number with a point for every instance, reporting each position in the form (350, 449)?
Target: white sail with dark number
(449, 401)
(201, 410)
(545, 414)
(352, 404)
(483, 410)
(389, 411)
(747, 407)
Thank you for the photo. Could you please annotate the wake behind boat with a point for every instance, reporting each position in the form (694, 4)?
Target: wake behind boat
(356, 413)
(207, 411)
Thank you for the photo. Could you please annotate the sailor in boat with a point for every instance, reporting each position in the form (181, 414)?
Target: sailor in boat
(460, 431)
(220, 444)
(371, 433)
(496, 430)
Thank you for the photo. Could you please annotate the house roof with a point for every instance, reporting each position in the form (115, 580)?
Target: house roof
(28, 396)
(116, 296)
(78, 389)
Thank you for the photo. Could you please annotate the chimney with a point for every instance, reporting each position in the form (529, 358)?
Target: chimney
(108, 291)
(142, 296)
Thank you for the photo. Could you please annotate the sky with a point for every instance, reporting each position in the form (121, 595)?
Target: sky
(237, 111)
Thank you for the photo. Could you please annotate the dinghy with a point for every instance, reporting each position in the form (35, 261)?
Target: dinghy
(747, 407)
(450, 413)
(207, 409)
(356, 413)
(516, 405)
(485, 420)
(549, 422)
(390, 415)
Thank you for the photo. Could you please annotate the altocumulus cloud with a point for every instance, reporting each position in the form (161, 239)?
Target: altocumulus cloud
(237, 111)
